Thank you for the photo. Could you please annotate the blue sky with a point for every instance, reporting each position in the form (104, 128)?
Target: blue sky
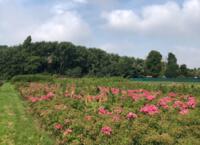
(125, 27)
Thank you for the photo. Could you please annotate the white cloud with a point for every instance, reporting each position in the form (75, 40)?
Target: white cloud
(56, 23)
(67, 26)
(169, 19)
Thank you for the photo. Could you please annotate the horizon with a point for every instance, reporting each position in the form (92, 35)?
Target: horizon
(128, 28)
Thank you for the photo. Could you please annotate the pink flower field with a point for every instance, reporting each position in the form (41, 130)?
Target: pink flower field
(120, 113)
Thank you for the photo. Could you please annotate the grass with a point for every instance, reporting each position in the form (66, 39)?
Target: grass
(16, 126)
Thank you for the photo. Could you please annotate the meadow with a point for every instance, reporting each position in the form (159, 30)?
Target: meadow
(114, 111)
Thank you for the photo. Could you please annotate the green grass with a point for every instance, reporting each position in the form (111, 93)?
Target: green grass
(16, 126)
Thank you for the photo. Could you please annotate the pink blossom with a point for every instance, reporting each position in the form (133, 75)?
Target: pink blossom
(150, 97)
(106, 130)
(67, 94)
(172, 94)
(115, 91)
(184, 111)
(163, 102)
(131, 115)
(98, 97)
(103, 111)
(149, 109)
(191, 102)
(58, 126)
(33, 99)
(136, 97)
(67, 132)
(50, 94)
(180, 105)
(104, 90)
(44, 98)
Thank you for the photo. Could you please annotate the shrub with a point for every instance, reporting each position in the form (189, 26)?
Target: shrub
(33, 78)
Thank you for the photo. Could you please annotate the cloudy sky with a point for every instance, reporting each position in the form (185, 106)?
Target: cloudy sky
(126, 27)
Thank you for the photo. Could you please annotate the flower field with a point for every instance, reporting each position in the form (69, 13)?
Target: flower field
(115, 112)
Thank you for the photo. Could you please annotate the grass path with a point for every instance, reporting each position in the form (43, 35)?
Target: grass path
(16, 127)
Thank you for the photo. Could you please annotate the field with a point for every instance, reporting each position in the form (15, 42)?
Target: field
(113, 111)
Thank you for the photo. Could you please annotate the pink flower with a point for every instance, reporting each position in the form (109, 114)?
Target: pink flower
(33, 99)
(149, 109)
(131, 115)
(67, 94)
(172, 94)
(191, 102)
(136, 97)
(106, 130)
(104, 90)
(103, 111)
(44, 98)
(180, 105)
(58, 126)
(163, 102)
(67, 132)
(150, 97)
(115, 91)
(50, 94)
(184, 111)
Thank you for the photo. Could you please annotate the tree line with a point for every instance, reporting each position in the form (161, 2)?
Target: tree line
(65, 58)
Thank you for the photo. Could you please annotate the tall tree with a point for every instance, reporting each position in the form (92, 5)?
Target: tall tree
(184, 70)
(172, 68)
(27, 41)
(153, 64)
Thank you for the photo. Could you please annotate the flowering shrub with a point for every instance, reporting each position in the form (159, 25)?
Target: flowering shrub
(131, 115)
(106, 130)
(47, 97)
(163, 102)
(58, 126)
(93, 113)
(191, 102)
(103, 111)
(149, 109)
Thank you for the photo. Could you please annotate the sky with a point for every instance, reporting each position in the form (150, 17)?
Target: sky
(124, 27)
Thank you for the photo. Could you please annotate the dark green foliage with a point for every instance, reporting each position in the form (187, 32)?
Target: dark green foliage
(33, 78)
(27, 42)
(65, 58)
(153, 64)
(172, 69)
(184, 70)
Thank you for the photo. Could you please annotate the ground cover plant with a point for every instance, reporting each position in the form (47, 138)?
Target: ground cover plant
(93, 111)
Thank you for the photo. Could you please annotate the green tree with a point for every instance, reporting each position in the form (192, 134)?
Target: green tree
(27, 42)
(184, 70)
(153, 64)
(172, 68)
